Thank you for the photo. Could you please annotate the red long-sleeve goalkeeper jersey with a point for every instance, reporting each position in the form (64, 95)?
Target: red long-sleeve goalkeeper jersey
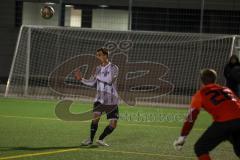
(220, 102)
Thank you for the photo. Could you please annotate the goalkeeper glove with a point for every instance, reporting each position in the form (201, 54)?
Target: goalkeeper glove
(178, 144)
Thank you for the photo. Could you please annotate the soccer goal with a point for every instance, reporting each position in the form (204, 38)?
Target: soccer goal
(157, 68)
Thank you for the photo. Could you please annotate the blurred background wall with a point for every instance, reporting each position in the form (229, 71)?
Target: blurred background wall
(194, 16)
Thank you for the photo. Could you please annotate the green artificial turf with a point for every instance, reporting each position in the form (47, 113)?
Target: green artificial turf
(29, 129)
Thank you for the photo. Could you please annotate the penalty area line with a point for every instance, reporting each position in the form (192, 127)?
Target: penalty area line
(37, 154)
(131, 124)
(95, 150)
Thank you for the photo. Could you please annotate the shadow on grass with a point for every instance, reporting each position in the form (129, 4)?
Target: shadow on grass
(23, 148)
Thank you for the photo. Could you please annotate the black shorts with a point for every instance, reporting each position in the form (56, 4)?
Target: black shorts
(111, 110)
(217, 133)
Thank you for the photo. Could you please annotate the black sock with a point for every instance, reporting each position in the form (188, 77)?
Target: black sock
(108, 130)
(94, 127)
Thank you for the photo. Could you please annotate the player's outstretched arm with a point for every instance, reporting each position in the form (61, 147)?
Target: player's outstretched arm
(89, 82)
(186, 129)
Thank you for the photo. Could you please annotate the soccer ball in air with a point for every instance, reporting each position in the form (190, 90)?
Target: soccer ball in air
(47, 12)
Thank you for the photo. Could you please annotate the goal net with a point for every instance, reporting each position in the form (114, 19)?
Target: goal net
(157, 68)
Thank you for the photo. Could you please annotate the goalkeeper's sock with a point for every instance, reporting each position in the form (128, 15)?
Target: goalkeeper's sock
(108, 130)
(94, 127)
(204, 157)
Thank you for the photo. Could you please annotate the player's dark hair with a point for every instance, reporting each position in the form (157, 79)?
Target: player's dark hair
(104, 51)
(208, 76)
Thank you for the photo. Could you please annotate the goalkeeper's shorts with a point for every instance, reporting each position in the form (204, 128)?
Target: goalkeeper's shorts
(217, 133)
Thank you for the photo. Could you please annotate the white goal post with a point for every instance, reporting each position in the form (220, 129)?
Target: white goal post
(155, 67)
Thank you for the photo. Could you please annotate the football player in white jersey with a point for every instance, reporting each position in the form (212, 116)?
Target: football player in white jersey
(106, 100)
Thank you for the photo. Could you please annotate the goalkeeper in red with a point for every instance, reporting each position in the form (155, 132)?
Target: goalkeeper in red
(224, 107)
(106, 100)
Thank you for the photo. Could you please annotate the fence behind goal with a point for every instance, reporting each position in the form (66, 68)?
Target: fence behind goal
(156, 68)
